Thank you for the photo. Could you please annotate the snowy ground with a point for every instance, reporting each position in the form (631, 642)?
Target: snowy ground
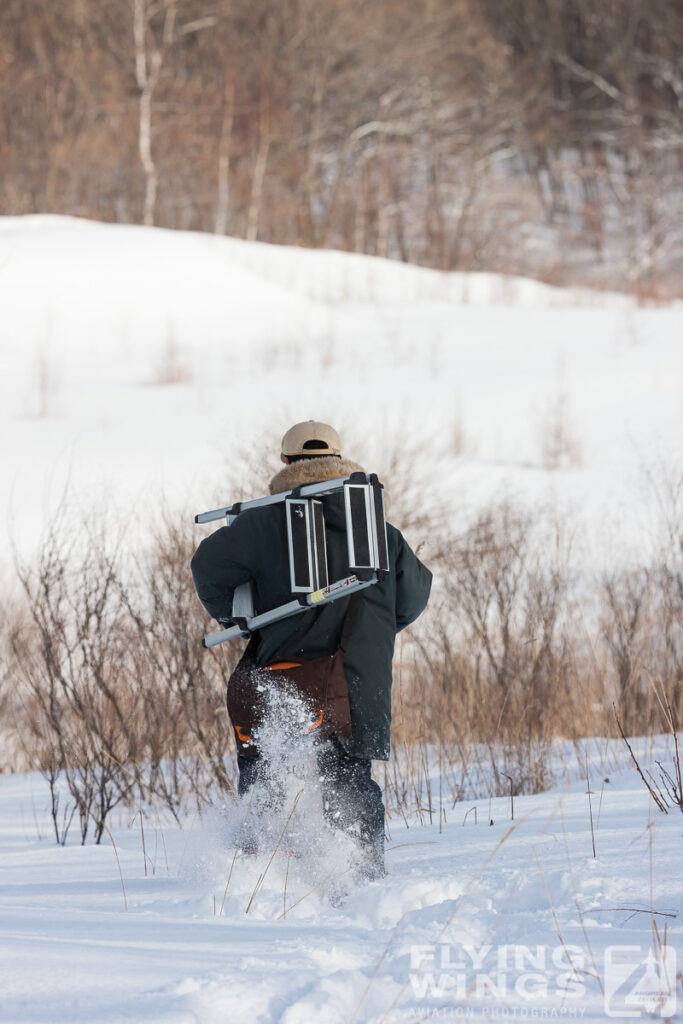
(508, 920)
(135, 360)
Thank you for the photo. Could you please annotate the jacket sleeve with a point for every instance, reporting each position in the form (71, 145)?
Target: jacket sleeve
(413, 584)
(219, 565)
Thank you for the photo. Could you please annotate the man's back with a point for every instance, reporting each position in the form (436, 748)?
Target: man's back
(255, 548)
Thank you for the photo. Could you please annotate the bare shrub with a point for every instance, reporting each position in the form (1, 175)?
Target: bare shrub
(171, 368)
(117, 696)
(491, 677)
(83, 716)
(7, 695)
(106, 688)
(666, 575)
(42, 402)
(558, 436)
(182, 685)
(625, 609)
(642, 626)
(667, 583)
(460, 440)
(666, 787)
(511, 603)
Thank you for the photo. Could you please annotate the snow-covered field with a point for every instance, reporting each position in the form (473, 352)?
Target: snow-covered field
(512, 919)
(136, 360)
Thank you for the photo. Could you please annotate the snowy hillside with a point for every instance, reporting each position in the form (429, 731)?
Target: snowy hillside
(139, 364)
(137, 359)
(484, 917)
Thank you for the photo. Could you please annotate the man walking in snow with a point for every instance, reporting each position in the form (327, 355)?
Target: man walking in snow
(254, 548)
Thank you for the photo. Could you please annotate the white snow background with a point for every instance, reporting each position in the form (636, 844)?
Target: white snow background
(137, 361)
(134, 360)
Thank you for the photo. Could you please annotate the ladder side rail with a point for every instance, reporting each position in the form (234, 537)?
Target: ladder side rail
(341, 588)
(380, 541)
(308, 490)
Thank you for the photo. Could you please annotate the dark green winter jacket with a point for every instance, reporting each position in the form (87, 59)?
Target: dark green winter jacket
(255, 548)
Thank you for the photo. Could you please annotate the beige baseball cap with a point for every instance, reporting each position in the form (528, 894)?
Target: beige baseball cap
(310, 438)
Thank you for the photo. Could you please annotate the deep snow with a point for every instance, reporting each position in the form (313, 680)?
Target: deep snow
(473, 920)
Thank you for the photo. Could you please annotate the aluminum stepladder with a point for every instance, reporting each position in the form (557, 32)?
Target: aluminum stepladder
(367, 548)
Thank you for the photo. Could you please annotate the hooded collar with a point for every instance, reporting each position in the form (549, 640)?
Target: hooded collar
(312, 471)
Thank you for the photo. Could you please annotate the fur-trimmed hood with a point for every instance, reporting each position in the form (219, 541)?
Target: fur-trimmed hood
(312, 471)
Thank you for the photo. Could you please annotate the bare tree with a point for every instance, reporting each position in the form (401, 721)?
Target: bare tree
(429, 130)
(224, 148)
(149, 55)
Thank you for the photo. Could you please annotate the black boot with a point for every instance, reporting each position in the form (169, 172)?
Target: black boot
(353, 803)
(372, 846)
